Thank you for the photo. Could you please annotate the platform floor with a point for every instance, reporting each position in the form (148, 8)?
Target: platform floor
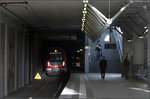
(91, 86)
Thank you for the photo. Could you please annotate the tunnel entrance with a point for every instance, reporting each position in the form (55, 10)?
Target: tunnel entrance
(72, 45)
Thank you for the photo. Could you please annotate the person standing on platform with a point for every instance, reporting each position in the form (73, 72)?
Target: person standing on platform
(126, 67)
(98, 50)
(103, 66)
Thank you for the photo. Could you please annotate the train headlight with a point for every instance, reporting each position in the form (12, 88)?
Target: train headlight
(49, 64)
(63, 63)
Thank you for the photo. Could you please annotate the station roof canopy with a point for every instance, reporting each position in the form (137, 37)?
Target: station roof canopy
(47, 15)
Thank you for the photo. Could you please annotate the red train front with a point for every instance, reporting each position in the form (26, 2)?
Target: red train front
(56, 61)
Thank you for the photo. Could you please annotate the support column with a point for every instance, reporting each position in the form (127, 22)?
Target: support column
(1, 66)
(16, 39)
(23, 51)
(148, 53)
(2, 40)
(148, 39)
(6, 61)
(86, 56)
(138, 51)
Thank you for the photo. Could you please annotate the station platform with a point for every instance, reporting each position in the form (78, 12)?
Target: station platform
(91, 86)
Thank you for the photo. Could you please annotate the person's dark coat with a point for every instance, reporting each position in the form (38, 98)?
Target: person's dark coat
(103, 64)
(126, 63)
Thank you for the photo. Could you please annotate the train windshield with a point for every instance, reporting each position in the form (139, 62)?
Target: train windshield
(56, 57)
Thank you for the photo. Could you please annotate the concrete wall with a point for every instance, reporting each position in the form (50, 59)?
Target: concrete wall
(13, 56)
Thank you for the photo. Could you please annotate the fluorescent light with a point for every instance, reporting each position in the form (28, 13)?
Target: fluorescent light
(84, 12)
(83, 19)
(141, 37)
(81, 50)
(84, 9)
(123, 8)
(129, 40)
(145, 27)
(82, 29)
(84, 15)
(82, 24)
(85, 5)
(119, 29)
(146, 30)
(85, 1)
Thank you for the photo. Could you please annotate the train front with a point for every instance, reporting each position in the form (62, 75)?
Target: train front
(56, 62)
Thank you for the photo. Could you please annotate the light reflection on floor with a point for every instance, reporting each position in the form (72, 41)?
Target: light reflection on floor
(68, 91)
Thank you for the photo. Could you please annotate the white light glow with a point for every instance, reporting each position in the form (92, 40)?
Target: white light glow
(85, 5)
(107, 38)
(49, 64)
(84, 9)
(140, 89)
(119, 29)
(55, 50)
(145, 27)
(129, 40)
(146, 30)
(123, 8)
(84, 15)
(82, 29)
(85, 1)
(63, 63)
(141, 37)
(68, 91)
(81, 50)
(83, 19)
(87, 47)
(84, 12)
(109, 21)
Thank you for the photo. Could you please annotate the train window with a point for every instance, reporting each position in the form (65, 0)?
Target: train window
(110, 46)
(56, 57)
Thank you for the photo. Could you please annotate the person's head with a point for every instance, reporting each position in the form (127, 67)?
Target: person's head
(103, 57)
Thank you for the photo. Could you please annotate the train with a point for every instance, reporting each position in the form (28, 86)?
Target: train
(56, 63)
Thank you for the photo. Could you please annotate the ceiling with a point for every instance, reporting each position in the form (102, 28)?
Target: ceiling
(47, 15)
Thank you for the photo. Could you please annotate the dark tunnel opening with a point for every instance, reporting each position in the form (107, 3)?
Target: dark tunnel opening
(74, 49)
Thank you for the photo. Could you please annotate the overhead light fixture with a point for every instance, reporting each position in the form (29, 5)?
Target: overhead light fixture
(85, 1)
(146, 30)
(84, 9)
(81, 50)
(84, 12)
(83, 19)
(129, 41)
(141, 37)
(84, 15)
(145, 27)
(119, 29)
(85, 5)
